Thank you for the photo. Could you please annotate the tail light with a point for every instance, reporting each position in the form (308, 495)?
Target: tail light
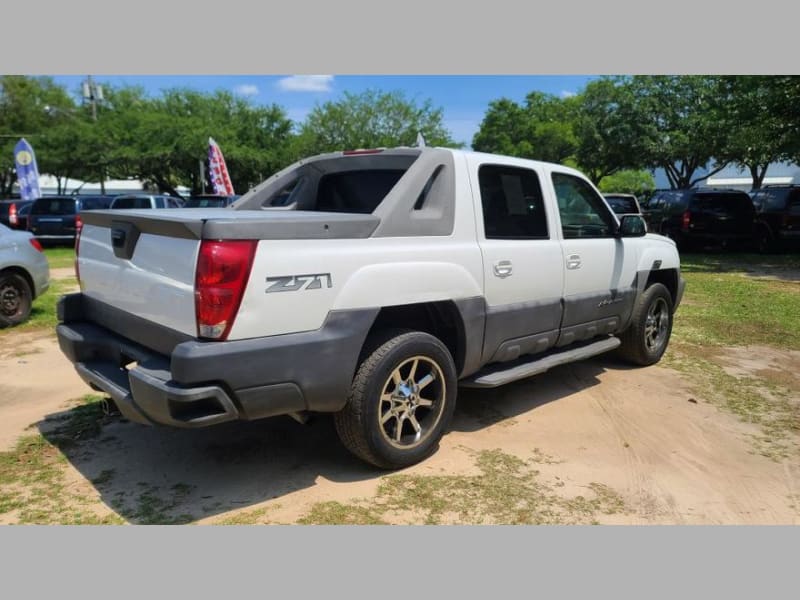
(78, 223)
(686, 220)
(12, 214)
(223, 268)
(35, 243)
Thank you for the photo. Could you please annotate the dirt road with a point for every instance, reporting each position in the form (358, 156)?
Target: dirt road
(637, 437)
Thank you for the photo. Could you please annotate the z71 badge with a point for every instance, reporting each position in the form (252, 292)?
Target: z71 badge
(293, 283)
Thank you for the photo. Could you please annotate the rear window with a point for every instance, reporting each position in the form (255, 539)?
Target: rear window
(206, 203)
(355, 191)
(95, 203)
(722, 203)
(131, 203)
(622, 204)
(54, 206)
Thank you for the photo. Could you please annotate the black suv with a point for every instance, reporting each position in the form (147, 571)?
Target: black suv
(777, 217)
(701, 216)
(56, 218)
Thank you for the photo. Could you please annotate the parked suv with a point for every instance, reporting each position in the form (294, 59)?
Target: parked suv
(24, 275)
(777, 217)
(14, 213)
(702, 216)
(146, 201)
(56, 218)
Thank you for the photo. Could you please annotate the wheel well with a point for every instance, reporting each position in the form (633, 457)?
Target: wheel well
(24, 274)
(667, 277)
(440, 319)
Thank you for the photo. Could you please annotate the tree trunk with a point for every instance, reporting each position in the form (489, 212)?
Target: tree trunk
(758, 172)
(165, 186)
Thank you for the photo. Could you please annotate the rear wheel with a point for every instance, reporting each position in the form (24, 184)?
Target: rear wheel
(401, 401)
(646, 339)
(15, 299)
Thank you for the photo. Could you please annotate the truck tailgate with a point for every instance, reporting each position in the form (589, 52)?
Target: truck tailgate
(156, 283)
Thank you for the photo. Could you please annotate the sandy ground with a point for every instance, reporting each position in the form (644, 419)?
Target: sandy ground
(671, 456)
(634, 430)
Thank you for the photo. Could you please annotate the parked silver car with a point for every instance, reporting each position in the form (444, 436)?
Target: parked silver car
(24, 275)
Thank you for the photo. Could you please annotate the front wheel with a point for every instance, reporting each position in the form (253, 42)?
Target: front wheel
(646, 339)
(401, 401)
(15, 299)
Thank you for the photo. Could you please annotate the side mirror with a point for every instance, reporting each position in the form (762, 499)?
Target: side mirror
(632, 226)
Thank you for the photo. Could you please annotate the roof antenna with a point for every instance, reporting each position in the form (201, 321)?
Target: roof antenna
(420, 140)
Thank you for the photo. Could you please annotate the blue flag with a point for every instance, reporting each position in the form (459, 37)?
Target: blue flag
(27, 172)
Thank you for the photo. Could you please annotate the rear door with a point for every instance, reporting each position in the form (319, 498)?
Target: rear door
(721, 213)
(600, 269)
(791, 228)
(523, 270)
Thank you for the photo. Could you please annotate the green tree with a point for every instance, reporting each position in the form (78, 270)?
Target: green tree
(680, 122)
(163, 140)
(371, 119)
(607, 134)
(628, 181)
(23, 102)
(542, 129)
(763, 127)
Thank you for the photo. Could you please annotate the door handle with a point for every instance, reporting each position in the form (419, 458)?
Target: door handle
(574, 261)
(503, 268)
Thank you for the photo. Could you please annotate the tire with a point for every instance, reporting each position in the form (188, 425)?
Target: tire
(16, 299)
(407, 379)
(647, 337)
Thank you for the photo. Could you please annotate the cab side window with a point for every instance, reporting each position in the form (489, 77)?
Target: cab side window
(513, 206)
(583, 212)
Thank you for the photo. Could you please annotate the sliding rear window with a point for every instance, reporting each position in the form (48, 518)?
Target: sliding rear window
(355, 191)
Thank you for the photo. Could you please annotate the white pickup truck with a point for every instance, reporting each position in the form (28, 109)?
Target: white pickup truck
(370, 284)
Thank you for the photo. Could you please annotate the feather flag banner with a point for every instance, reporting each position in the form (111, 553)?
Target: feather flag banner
(27, 171)
(218, 170)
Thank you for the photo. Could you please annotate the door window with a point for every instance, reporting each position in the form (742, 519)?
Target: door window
(583, 212)
(513, 207)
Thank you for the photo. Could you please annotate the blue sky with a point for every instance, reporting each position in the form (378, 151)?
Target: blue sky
(464, 98)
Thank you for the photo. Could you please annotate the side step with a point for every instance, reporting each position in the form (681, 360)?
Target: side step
(500, 374)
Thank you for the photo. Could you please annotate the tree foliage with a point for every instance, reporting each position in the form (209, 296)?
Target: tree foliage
(371, 119)
(542, 129)
(640, 183)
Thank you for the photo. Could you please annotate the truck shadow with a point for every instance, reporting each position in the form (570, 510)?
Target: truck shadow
(481, 408)
(163, 475)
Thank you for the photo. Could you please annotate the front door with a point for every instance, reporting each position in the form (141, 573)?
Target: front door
(599, 268)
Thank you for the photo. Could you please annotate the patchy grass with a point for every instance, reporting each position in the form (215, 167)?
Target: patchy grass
(33, 487)
(154, 507)
(723, 306)
(752, 399)
(249, 517)
(60, 257)
(729, 308)
(506, 491)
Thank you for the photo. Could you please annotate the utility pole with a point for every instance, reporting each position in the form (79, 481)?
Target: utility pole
(93, 93)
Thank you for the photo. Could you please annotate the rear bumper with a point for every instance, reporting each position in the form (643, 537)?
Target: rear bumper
(205, 383)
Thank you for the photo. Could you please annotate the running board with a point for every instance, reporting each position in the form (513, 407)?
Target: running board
(500, 374)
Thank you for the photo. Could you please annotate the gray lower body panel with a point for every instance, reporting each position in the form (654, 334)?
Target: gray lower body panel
(204, 383)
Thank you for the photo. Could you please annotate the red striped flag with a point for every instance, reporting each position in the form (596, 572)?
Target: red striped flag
(218, 171)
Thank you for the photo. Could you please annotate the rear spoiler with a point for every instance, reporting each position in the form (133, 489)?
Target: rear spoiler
(242, 225)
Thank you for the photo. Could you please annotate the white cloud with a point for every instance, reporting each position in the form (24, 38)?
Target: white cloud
(567, 94)
(306, 83)
(246, 89)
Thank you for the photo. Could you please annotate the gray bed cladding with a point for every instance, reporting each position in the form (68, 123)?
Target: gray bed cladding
(422, 203)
